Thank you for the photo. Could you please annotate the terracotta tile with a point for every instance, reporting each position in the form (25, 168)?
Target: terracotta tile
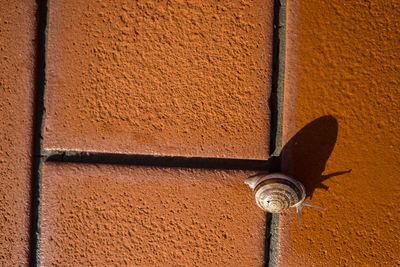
(145, 216)
(346, 66)
(17, 34)
(152, 77)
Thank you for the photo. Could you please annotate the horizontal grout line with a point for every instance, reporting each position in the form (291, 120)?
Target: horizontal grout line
(155, 160)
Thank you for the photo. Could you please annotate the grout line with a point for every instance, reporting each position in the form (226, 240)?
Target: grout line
(273, 235)
(39, 117)
(277, 97)
(278, 76)
(161, 161)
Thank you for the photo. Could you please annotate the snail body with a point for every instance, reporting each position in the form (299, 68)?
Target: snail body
(277, 192)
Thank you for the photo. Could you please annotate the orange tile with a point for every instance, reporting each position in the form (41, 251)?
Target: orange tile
(145, 216)
(152, 77)
(343, 61)
(17, 54)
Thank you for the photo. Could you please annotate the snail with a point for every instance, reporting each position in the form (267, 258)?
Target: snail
(277, 192)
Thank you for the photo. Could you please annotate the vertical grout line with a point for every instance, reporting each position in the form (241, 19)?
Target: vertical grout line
(276, 104)
(39, 118)
(273, 240)
(278, 76)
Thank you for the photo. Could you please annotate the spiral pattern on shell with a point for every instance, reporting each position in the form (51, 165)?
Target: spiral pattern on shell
(277, 192)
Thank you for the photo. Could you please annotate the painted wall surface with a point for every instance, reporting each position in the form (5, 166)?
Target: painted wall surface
(147, 216)
(343, 60)
(17, 57)
(188, 78)
(193, 78)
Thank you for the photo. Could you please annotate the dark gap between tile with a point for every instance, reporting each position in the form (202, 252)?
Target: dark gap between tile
(276, 107)
(159, 161)
(38, 120)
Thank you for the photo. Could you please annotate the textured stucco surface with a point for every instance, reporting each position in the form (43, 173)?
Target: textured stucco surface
(343, 60)
(143, 216)
(17, 33)
(160, 77)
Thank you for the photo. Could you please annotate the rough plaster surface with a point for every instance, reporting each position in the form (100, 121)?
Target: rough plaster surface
(17, 33)
(160, 77)
(343, 60)
(143, 216)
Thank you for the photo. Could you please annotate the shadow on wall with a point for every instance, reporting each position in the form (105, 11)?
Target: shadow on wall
(305, 155)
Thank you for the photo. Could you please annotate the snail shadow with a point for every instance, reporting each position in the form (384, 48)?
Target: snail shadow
(305, 155)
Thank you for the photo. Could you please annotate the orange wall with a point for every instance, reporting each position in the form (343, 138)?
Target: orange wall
(343, 60)
(17, 57)
(193, 79)
(185, 78)
(149, 216)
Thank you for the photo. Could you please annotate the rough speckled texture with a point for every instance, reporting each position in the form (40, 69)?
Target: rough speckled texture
(17, 33)
(343, 59)
(143, 216)
(160, 77)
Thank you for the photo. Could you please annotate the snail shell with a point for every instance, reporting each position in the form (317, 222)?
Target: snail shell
(276, 192)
